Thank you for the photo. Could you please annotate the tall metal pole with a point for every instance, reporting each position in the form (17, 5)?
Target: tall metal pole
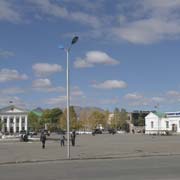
(67, 50)
(68, 121)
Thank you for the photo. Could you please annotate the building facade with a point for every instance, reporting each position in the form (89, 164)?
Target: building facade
(13, 119)
(160, 123)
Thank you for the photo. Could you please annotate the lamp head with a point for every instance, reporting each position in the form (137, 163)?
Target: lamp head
(74, 40)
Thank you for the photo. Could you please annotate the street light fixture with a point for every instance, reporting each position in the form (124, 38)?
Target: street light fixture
(67, 50)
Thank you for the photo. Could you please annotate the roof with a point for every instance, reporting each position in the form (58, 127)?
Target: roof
(37, 113)
(160, 114)
(12, 108)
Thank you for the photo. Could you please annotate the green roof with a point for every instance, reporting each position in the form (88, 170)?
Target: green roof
(37, 113)
(160, 114)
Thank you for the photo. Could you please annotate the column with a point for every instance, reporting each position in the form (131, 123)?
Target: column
(8, 124)
(14, 124)
(20, 123)
(26, 123)
(3, 126)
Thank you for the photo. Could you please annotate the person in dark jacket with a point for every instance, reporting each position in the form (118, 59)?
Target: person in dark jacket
(73, 137)
(62, 139)
(43, 139)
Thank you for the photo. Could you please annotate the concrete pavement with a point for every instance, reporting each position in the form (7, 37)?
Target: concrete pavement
(154, 168)
(91, 147)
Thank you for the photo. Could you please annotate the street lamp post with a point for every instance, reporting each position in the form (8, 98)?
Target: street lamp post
(67, 50)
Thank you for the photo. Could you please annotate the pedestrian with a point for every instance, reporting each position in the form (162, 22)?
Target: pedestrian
(62, 139)
(73, 137)
(43, 139)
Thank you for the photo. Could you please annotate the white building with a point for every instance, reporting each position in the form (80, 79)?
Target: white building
(13, 119)
(160, 123)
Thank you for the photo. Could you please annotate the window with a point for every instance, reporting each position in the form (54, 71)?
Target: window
(17, 129)
(5, 119)
(11, 120)
(17, 119)
(167, 124)
(152, 124)
(23, 120)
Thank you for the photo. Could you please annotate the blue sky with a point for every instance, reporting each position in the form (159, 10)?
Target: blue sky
(127, 55)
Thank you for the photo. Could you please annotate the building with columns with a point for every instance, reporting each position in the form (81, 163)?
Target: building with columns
(13, 119)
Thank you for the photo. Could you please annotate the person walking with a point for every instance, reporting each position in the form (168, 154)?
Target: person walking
(62, 139)
(73, 137)
(43, 139)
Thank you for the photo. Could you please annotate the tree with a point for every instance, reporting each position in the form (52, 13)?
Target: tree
(123, 119)
(106, 113)
(72, 117)
(97, 118)
(115, 122)
(34, 121)
(55, 115)
(62, 121)
(119, 119)
(84, 119)
(141, 121)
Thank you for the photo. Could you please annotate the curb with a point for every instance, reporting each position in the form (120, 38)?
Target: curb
(88, 158)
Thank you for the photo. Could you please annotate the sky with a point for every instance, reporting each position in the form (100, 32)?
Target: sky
(127, 55)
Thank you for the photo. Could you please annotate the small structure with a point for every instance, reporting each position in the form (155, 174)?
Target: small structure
(162, 123)
(13, 119)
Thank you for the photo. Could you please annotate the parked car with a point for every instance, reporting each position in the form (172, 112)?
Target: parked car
(112, 131)
(32, 133)
(22, 132)
(61, 131)
(96, 131)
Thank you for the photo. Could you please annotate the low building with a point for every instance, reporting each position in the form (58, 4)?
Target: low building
(161, 123)
(13, 119)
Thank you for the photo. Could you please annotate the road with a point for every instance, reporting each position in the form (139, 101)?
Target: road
(151, 168)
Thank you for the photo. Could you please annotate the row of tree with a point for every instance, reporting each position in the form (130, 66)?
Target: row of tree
(56, 119)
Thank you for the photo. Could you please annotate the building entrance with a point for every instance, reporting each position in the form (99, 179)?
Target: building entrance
(174, 127)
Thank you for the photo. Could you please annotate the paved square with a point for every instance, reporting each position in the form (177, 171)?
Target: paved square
(88, 146)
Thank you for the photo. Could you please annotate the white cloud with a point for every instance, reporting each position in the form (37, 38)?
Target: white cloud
(76, 91)
(137, 99)
(11, 75)
(45, 85)
(8, 13)
(133, 96)
(41, 83)
(150, 22)
(149, 30)
(95, 57)
(86, 19)
(14, 90)
(174, 94)
(45, 69)
(162, 4)
(111, 84)
(54, 9)
(112, 101)
(61, 101)
(158, 99)
(4, 101)
(6, 54)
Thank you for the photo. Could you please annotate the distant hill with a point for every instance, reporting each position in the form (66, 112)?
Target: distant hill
(78, 110)
(38, 109)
